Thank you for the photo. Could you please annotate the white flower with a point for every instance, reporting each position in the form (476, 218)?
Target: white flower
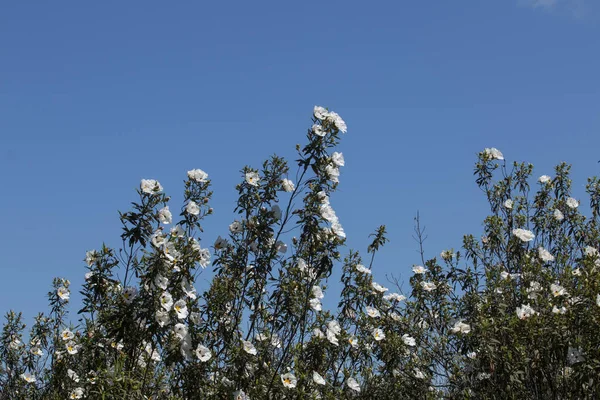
(203, 353)
(557, 310)
(508, 204)
(591, 251)
(28, 377)
(236, 227)
(181, 331)
(318, 333)
(161, 282)
(36, 351)
(150, 186)
(249, 347)
(523, 234)
(197, 175)
(472, 355)
(419, 374)
(353, 341)
(239, 395)
(572, 203)
(315, 304)
(76, 393)
(337, 121)
(288, 185)
(317, 292)
(598, 300)
(318, 130)
(318, 379)
(162, 317)
(252, 178)
(378, 287)
(338, 159)
(428, 286)
(320, 113)
(576, 272)
(558, 215)
(181, 309)
(544, 179)
(545, 255)
(333, 173)
(220, 243)
(192, 208)
(378, 334)
(419, 269)
(394, 297)
(461, 327)
(352, 384)
(289, 380)
(557, 290)
(90, 257)
(63, 293)
(525, 311)
(129, 294)
(165, 216)
(409, 340)
(73, 375)
(362, 269)
(72, 347)
(166, 301)
(494, 153)
(67, 335)
(373, 312)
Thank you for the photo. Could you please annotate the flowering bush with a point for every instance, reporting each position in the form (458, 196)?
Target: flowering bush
(516, 315)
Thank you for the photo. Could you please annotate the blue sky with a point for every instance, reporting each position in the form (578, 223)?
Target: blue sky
(95, 96)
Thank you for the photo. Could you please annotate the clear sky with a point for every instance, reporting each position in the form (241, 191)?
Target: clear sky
(95, 96)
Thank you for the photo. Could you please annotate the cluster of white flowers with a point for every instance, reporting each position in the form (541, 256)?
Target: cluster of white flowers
(494, 153)
(525, 311)
(315, 301)
(328, 213)
(331, 117)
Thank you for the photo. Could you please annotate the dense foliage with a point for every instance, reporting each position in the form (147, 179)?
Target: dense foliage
(515, 314)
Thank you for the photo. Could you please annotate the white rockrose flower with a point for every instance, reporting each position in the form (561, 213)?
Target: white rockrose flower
(181, 309)
(428, 286)
(288, 185)
(378, 334)
(249, 347)
(289, 380)
(63, 293)
(572, 203)
(352, 384)
(558, 215)
(373, 312)
(525, 311)
(338, 159)
(545, 255)
(419, 269)
(28, 377)
(165, 216)
(409, 340)
(150, 186)
(192, 208)
(508, 204)
(461, 327)
(544, 179)
(318, 379)
(523, 234)
(252, 178)
(203, 353)
(197, 175)
(166, 301)
(494, 153)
